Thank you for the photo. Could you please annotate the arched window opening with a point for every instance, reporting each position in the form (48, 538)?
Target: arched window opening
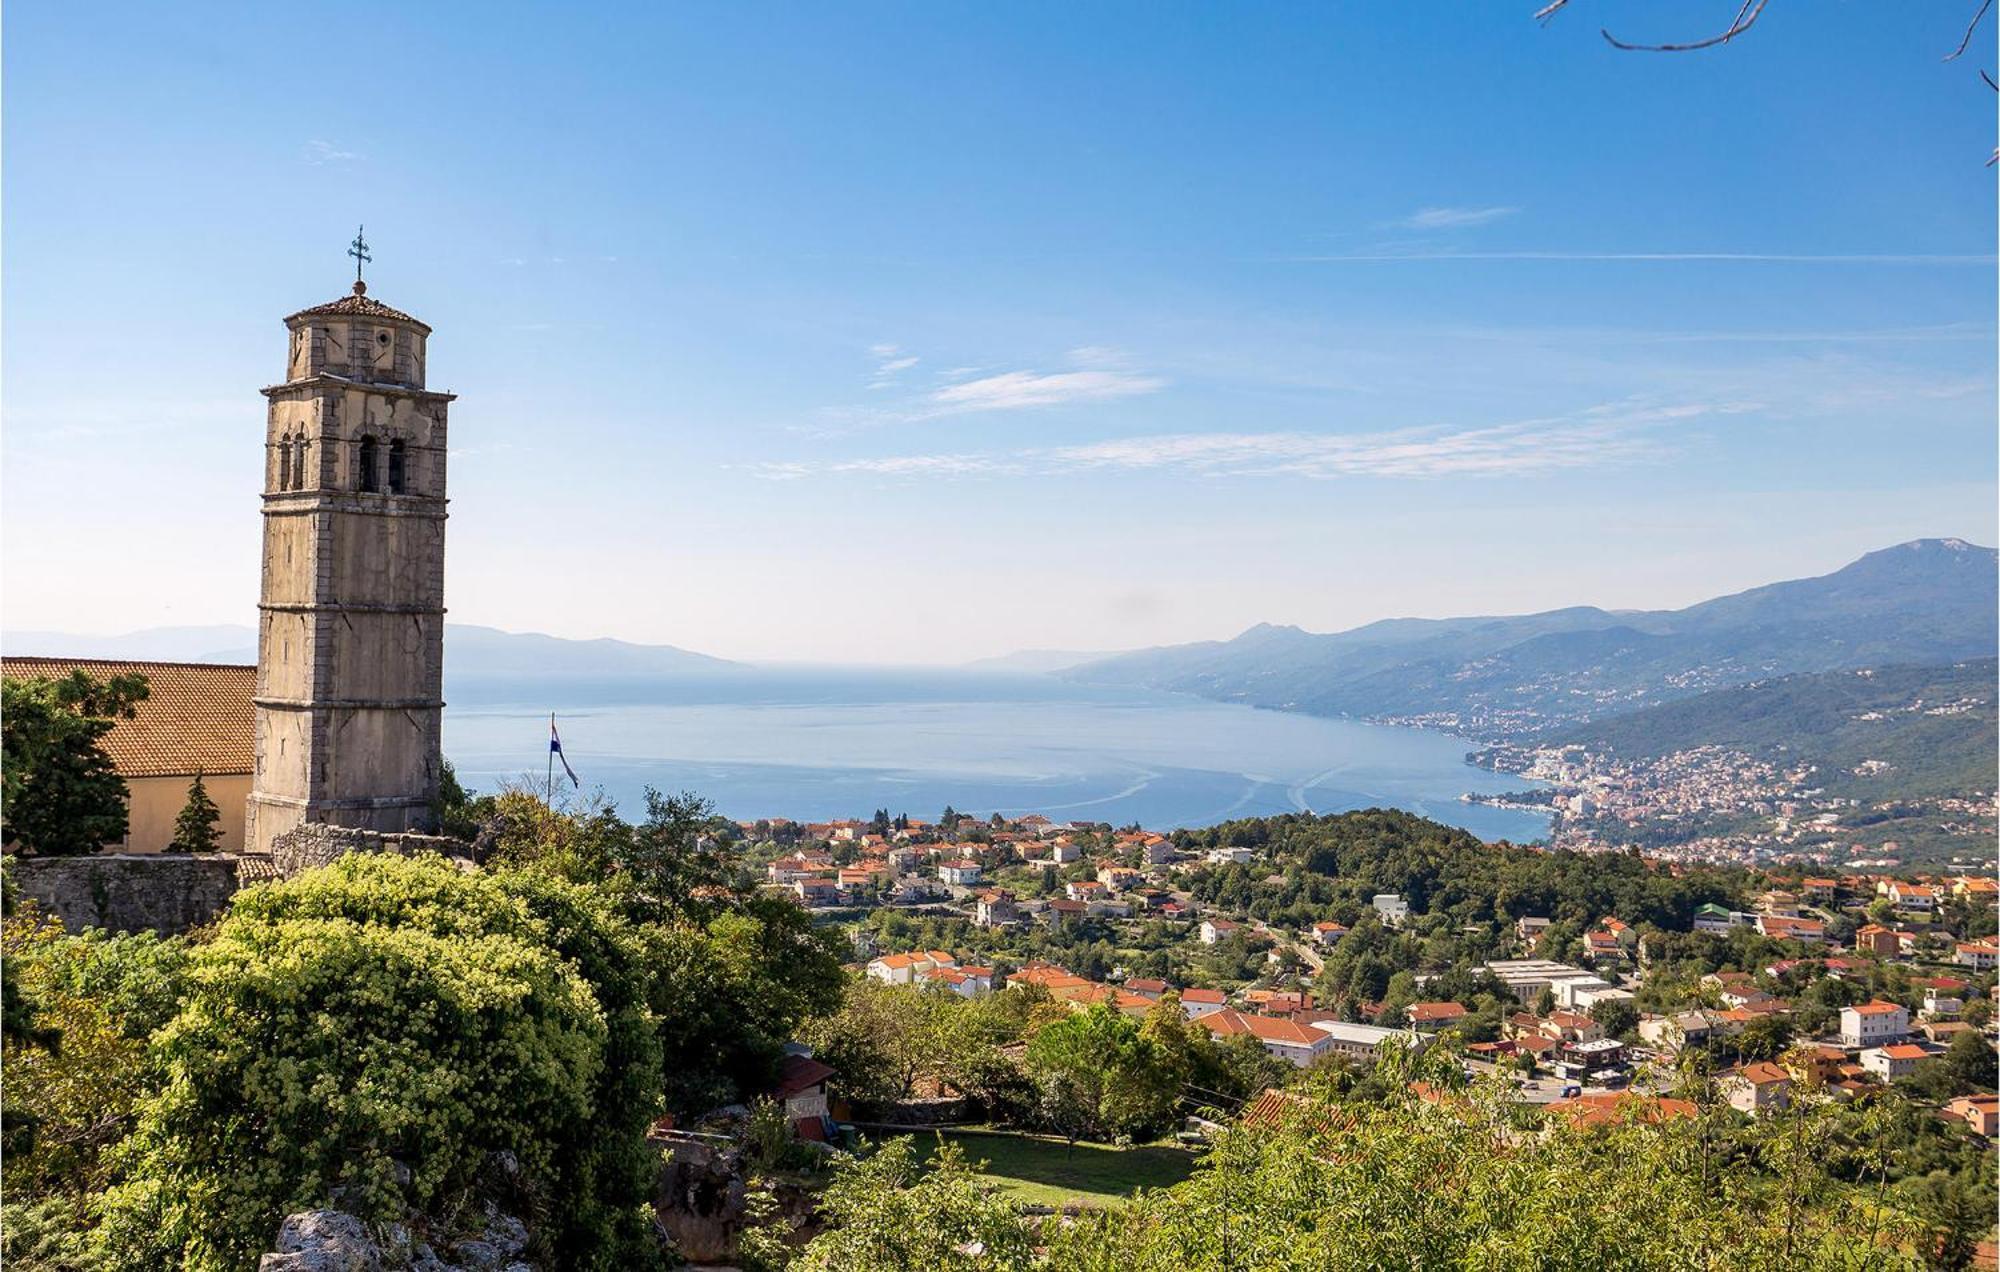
(370, 481)
(285, 463)
(396, 466)
(299, 464)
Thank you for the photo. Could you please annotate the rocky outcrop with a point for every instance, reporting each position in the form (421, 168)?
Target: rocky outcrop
(700, 1200)
(335, 1241)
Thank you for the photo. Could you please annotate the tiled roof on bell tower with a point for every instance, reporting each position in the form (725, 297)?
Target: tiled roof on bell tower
(358, 305)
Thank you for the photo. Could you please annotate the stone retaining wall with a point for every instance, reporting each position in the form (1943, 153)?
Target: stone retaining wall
(171, 892)
(164, 892)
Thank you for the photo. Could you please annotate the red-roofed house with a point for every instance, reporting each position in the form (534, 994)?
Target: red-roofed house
(1980, 1112)
(1216, 931)
(1873, 1024)
(1897, 1060)
(1433, 1015)
(1198, 1003)
(1980, 956)
(1300, 1044)
(1876, 939)
(801, 1087)
(1757, 1088)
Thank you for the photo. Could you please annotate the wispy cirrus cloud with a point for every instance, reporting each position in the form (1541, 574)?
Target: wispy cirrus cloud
(1026, 390)
(1608, 434)
(1453, 218)
(890, 362)
(319, 152)
(1097, 373)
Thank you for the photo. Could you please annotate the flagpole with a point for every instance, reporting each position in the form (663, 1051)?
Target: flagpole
(549, 786)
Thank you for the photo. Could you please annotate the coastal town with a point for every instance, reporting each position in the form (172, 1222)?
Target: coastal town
(1843, 982)
(1722, 806)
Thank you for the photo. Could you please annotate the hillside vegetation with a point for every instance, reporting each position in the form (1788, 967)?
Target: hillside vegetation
(1932, 727)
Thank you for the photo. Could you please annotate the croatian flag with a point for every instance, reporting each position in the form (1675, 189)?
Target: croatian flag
(555, 749)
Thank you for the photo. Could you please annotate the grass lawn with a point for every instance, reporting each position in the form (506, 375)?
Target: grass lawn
(1044, 1170)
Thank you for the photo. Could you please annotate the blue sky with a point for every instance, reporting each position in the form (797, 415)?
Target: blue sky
(925, 332)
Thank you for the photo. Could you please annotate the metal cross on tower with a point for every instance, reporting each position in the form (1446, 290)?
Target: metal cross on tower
(358, 249)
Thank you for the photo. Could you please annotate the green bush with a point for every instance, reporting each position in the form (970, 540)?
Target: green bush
(371, 1035)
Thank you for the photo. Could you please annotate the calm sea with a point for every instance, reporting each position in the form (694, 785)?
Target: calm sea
(818, 743)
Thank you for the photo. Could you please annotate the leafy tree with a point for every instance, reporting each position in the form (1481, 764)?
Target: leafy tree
(1765, 1038)
(882, 1038)
(1618, 1018)
(1402, 1182)
(195, 829)
(60, 794)
(378, 1030)
(1969, 1064)
(887, 1214)
(74, 1078)
(674, 861)
(1101, 1075)
(1545, 1002)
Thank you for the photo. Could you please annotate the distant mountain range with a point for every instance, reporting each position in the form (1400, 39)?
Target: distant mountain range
(469, 651)
(1930, 602)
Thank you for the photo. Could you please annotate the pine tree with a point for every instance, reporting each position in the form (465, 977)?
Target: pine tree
(194, 829)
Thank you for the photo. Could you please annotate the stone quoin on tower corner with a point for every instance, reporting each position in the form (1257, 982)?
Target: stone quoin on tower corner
(350, 640)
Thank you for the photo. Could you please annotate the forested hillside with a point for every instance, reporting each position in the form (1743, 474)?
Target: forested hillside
(1873, 734)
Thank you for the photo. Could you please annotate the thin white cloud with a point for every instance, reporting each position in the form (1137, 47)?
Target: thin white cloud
(886, 466)
(1453, 218)
(1613, 433)
(325, 152)
(1024, 390)
(890, 362)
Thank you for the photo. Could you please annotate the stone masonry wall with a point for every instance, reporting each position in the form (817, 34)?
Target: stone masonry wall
(318, 844)
(133, 892)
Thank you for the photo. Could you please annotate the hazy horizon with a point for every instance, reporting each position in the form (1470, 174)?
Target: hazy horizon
(249, 630)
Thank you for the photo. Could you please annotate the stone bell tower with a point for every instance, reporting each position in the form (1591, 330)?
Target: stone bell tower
(350, 634)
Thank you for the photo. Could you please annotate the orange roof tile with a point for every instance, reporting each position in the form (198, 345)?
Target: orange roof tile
(198, 715)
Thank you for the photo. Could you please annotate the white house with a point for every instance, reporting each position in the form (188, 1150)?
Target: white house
(1300, 1044)
(1391, 907)
(1912, 898)
(961, 873)
(1897, 1060)
(1216, 931)
(1873, 1024)
(966, 982)
(1756, 1088)
(1328, 932)
(1231, 856)
(1196, 1003)
(1582, 995)
(1676, 1031)
(1980, 956)
(905, 969)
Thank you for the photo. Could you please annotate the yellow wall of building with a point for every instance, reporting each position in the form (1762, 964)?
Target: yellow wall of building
(157, 801)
